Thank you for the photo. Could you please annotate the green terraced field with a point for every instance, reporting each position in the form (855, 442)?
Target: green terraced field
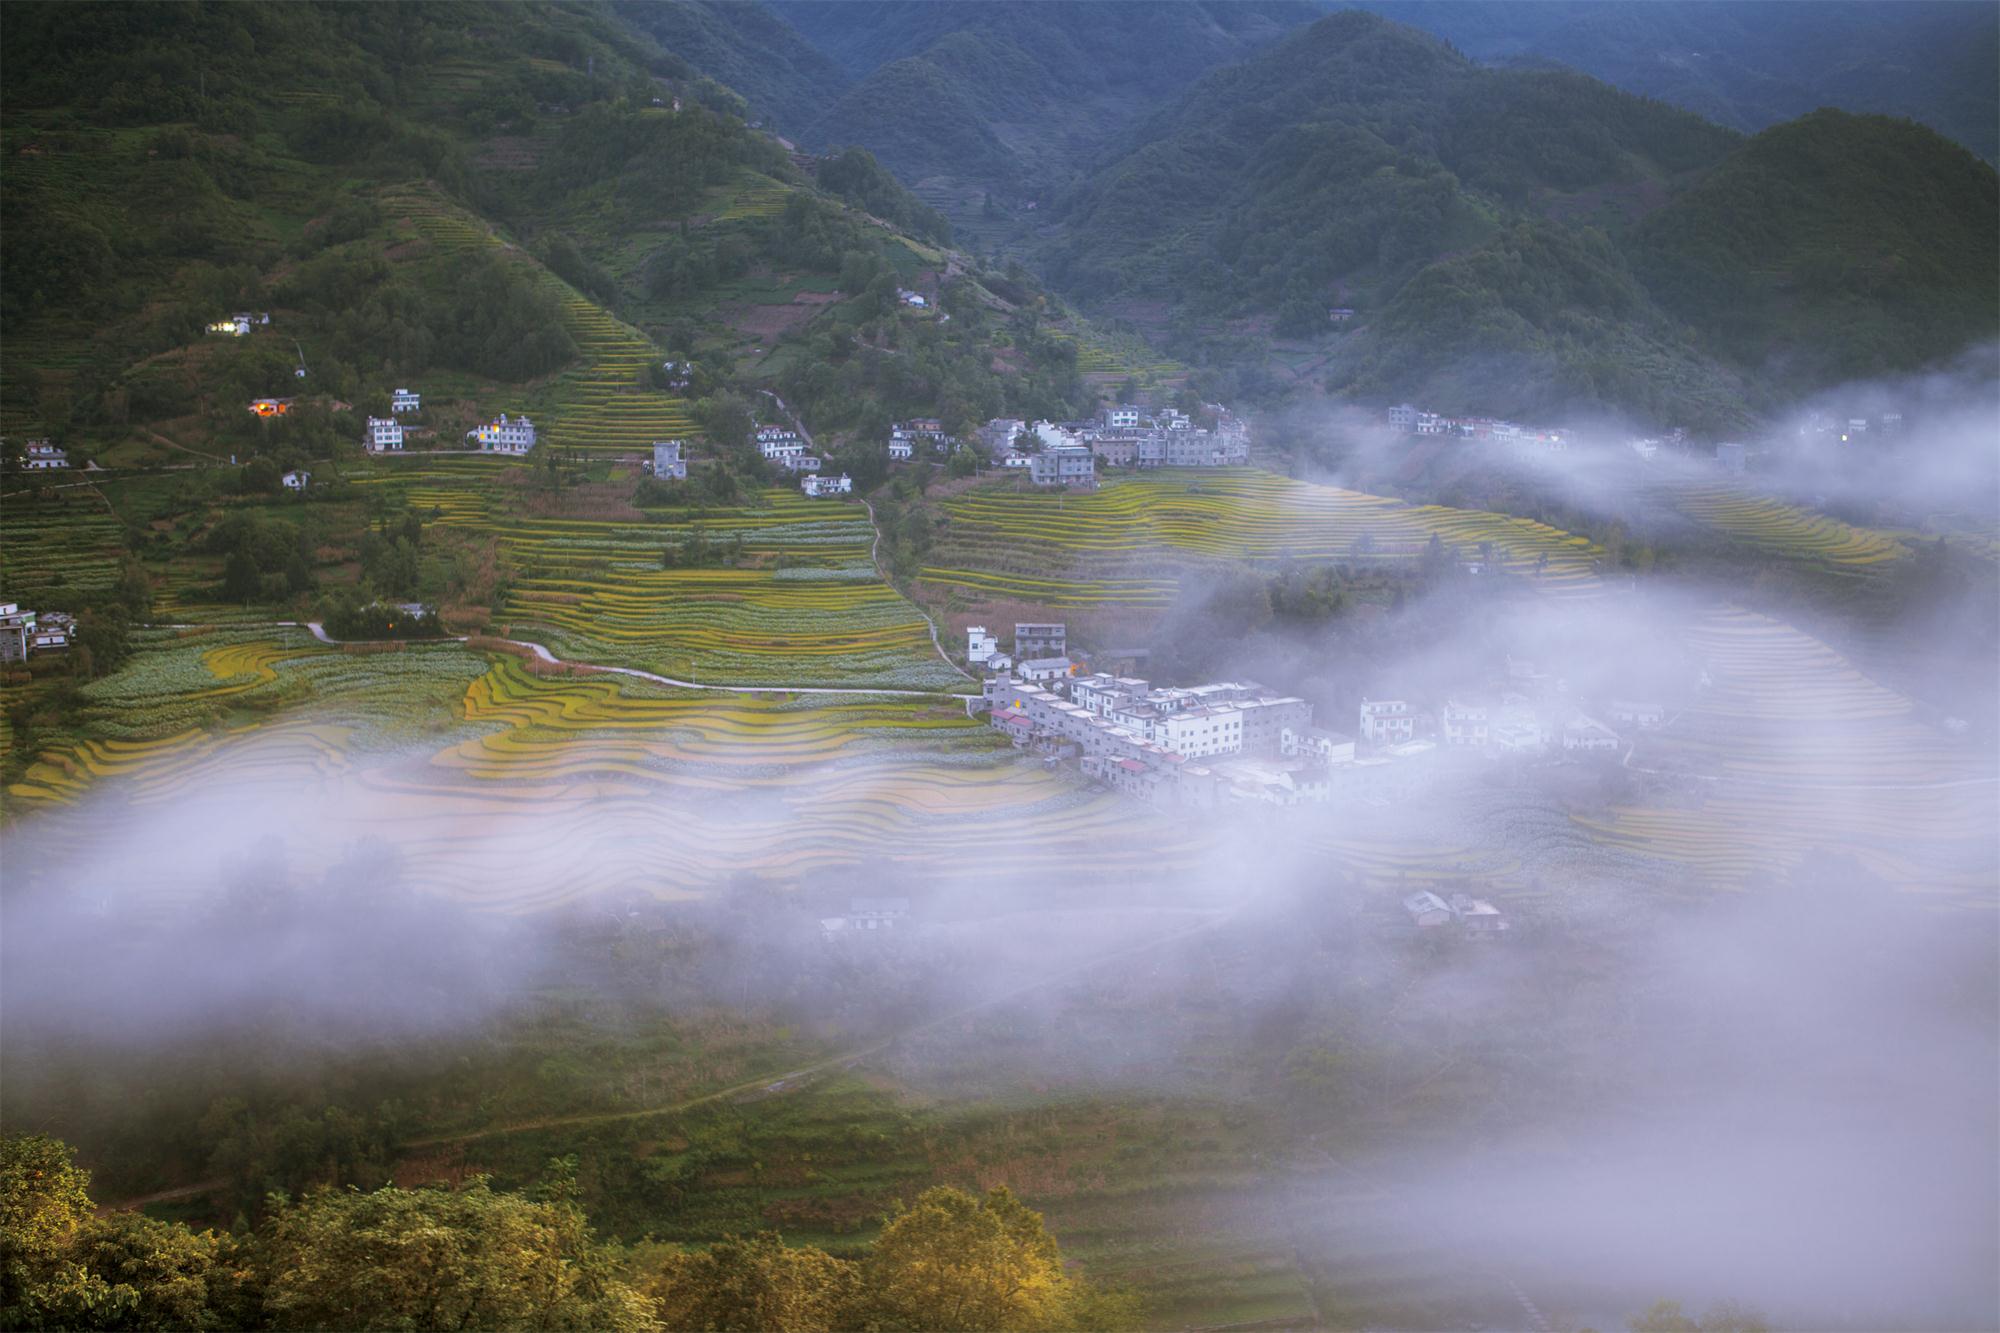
(1108, 547)
(1776, 528)
(595, 590)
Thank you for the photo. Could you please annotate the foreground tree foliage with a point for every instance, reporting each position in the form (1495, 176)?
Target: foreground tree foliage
(478, 1258)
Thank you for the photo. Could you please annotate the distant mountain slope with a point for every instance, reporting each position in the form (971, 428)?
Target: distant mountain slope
(786, 80)
(1347, 156)
(1751, 65)
(1003, 90)
(1834, 245)
(1531, 239)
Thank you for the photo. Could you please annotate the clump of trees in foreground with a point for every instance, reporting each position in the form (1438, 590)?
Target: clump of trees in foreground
(478, 1258)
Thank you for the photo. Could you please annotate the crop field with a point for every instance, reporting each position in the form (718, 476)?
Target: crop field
(1798, 752)
(803, 606)
(1106, 547)
(1776, 528)
(47, 551)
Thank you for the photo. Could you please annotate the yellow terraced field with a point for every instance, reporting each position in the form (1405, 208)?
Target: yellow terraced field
(1107, 547)
(1777, 528)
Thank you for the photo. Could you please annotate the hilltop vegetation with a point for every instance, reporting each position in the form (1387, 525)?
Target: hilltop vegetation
(1838, 246)
(1515, 240)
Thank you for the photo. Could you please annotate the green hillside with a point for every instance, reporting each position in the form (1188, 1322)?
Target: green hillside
(1520, 240)
(1835, 246)
(785, 79)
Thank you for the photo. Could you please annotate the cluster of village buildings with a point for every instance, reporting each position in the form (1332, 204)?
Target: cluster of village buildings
(1068, 453)
(1201, 745)
(23, 632)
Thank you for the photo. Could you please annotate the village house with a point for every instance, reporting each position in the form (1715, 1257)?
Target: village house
(1644, 714)
(382, 433)
(679, 374)
(900, 449)
(1044, 669)
(1587, 734)
(402, 401)
(42, 456)
(296, 480)
(1122, 417)
(1316, 743)
(778, 442)
(1040, 640)
(1403, 417)
(1071, 466)
(1463, 723)
(668, 464)
(817, 486)
(1387, 721)
(865, 915)
(504, 436)
(271, 407)
(979, 645)
(799, 463)
(1471, 916)
(239, 324)
(17, 627)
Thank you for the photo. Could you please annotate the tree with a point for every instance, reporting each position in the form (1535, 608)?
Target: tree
(44, 1202)
(955, 1262)
(436, 1258)
(758, 1283)
(240, 579)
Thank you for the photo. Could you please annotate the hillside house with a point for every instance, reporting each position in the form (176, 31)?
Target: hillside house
(901, 448)
(403, 401)
(1428, 911)
(271, 407)
(1588, 734)
(239, 324)
(799, 463)
(17, 628)
(1403, 417)
(382, 434)
(1122, 417)
(504, 435)
(668, 464)
(779, 442)
(979, 645)
(817, 486)
(1040, 641)
(296, 480)
(1339, 314)
(1387, 721)
(1464, 724)
(42, 456)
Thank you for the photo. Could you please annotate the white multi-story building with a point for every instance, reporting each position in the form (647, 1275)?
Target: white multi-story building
(668, 464)
(402, 400)
(382, 434)
(901, 448)
(1463, 723)
(503, 435)
(979, 645)
(1585, 733)
(43, 456)
(1387, 721)
(817, 485)
(1403, 417)
(1122, 417)
(776, 442)
(1068, 465)
(1193, 732)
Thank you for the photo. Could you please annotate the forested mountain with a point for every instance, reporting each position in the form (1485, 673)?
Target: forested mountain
(1835, 246)
(1489, 227)
(786, 80)
(1749, 66)
(1015, 92)
(520, 215)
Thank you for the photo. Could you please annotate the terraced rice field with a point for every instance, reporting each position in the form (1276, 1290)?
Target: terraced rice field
(1776, 528)
(1106, 548)
(1798, 752)
(595, 591)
